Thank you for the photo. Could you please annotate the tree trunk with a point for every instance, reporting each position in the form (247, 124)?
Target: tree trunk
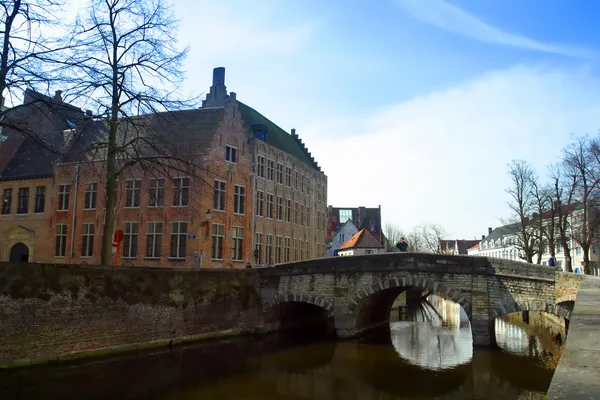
(586, 258)
(110, 197)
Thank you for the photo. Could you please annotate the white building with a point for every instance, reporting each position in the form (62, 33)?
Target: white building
(346, 231)
(361, 243)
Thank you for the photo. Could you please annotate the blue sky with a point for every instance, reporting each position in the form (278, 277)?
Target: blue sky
(414, 105)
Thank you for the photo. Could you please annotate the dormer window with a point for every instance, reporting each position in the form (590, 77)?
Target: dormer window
(231, 154)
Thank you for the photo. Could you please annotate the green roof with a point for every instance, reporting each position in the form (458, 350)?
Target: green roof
(276, 136)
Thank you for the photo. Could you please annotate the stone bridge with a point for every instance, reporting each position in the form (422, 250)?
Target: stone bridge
(53, 312)
(358, 292)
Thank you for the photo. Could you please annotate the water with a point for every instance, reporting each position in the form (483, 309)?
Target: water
(409, 359)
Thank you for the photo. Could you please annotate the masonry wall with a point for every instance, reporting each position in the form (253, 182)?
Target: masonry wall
(49, 311)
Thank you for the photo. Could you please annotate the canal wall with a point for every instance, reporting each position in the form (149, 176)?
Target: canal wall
(577, 374)
(54, 312)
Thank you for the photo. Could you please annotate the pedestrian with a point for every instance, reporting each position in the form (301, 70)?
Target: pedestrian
(402, 245)
(551, 260)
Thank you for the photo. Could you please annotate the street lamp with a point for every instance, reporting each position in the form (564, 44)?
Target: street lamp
(207, 216)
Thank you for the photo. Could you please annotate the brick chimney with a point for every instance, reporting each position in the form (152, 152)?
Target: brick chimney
(490, 230)
(217, 96)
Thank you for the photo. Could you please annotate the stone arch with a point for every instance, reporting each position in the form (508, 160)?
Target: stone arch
(566, 298)
(501, 310)
(17, 234)
(299, 298)
(19, 252)
(411, 281)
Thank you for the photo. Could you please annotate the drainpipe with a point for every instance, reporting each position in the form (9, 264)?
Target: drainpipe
(74, 212)
(253, 208)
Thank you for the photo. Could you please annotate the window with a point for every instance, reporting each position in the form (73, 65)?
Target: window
(286, 249)
(260, 170)
(132, 193)
(238, 243)
(269, 250)
(230, 154)
(154, 236)
(63, 197)
(260, 200)
(296, 182)
(270, 170)
(270, 199)
(280, 173)
(6, 201)
(345, 215)
(23, 201)
(61, 240)
(302, 183)
(259, 248)
(277, 249)
(218, 235)
(90, 196)
(302, 216)
(295, 249)
(307, 217)
(239, 197)
(296, 206)
(288, 176)
(87, 248)
(181, 192)
(578, 251)
(178, 239)
(279, 208)
(40, 199)
(130, 240)
(301, 250)
(308, 255)
(288, 210)
(157, 193)
(219, 196)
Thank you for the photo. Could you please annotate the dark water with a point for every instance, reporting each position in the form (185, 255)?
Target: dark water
(409, 360)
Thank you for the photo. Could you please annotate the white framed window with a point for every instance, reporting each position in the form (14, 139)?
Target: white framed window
(308, 255)
(260, 166)
(87, 244)
(270, 200)
(239, 199)
(269, 250)
(40, 199)
(178, 239)
(288, 210)
(288, 176)
(270, 170)
(61, 240)
(154, 239)
(302, 183)
(23, 201)
(231, 154)
(130, 240)
(295, 249)
(286, 249)
(280, 173)
(296, 180)
(302, 215)
(157, 193)
(91, 190)
(259, 245)
(181, 192)
(133, 188)
(277, 249)
(237, 243)
(260, 203)
(218, 236)
(63, 197)
(279, 210)
(296, 207)
(219, 196)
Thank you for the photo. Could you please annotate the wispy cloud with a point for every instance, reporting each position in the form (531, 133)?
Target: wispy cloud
(453, 19)
(442, 157)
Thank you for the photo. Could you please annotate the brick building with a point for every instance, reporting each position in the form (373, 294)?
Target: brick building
(256, 196)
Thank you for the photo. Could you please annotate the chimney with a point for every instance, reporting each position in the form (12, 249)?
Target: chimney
(489, 230)
(217, 95)
(482, 237)
(294, 132)
(232, 96)
(329, 211)
(58, 96)
(88, 113)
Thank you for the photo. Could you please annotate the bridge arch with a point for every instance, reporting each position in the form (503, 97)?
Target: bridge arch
(505, 308)
(290, 311)
(299, 298)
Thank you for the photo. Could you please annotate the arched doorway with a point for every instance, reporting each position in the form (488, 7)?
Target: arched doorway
(19, 253)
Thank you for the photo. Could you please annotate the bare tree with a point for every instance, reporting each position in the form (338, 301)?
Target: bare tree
(581, 161)
(130, 74)
(543, 227)
(392, 233)
(429, 236)
(522, 204)
(563, 191)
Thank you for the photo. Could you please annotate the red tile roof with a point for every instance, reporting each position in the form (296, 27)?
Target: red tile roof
(361, 239)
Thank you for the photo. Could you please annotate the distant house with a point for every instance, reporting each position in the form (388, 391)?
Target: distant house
(361, 243)
(456, 246)
(346, 231)
(499, 243)
(361, 217)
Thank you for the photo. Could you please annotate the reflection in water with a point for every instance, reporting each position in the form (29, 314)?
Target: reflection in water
(410, 359)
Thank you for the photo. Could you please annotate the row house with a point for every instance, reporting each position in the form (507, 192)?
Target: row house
(254, 197)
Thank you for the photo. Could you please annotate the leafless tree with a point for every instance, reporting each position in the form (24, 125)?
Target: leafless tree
(130, 75)
(429, 236)
(543, 219)
(563, 186)
(582, 165)
(522, 204)
(392, 233)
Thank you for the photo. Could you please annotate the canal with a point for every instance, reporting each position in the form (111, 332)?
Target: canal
(419, 356)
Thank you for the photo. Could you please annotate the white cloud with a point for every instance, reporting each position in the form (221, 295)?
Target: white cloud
(442, 158)
(451, 18)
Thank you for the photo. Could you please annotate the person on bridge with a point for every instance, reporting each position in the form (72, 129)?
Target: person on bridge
(402, 245)
(551, 260)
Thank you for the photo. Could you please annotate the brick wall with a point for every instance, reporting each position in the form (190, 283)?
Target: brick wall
(49, 310)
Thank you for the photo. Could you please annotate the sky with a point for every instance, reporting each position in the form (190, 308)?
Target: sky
(414, 105)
